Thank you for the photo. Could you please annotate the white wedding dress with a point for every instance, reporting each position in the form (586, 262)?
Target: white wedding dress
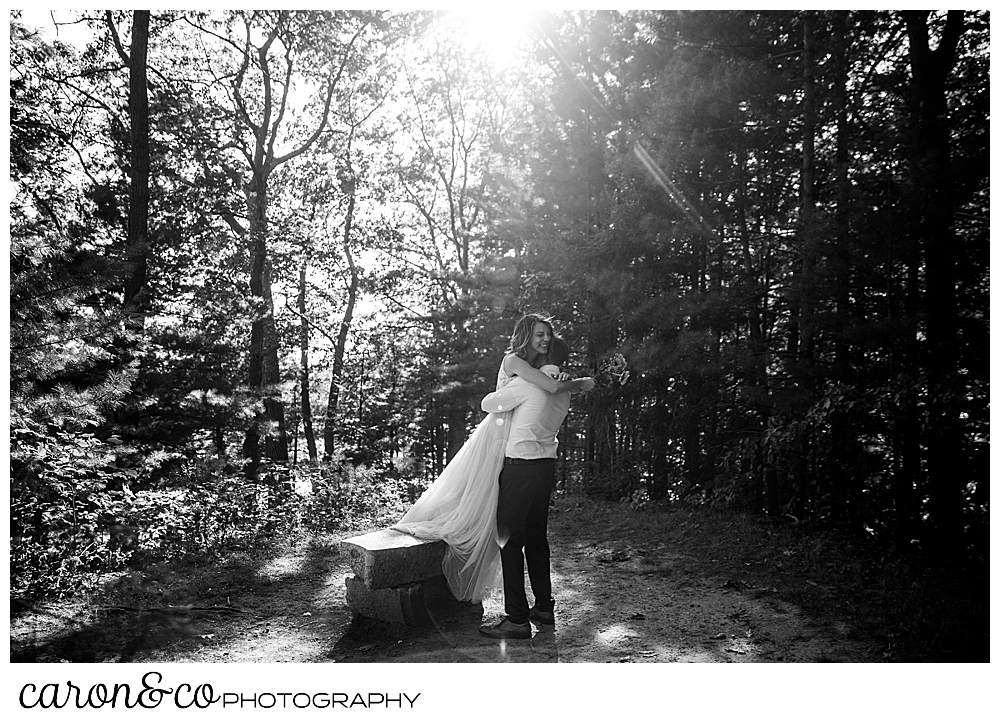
(460, 508)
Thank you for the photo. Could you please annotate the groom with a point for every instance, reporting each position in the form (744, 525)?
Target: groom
(526, 483)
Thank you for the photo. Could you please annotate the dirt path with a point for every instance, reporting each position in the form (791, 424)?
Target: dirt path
(625, 593)
(614, 606)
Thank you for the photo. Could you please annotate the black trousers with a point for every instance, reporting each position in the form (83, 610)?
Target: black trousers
(522, 526)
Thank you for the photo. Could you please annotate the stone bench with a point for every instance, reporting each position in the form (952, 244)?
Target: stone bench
(397, 577)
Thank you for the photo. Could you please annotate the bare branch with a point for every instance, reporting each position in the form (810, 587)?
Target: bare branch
(282, 106)
(112, 113)
(113, 29)
(238, 83)
(312, 324)
(235, 225)
(326, 107)
(263, 161)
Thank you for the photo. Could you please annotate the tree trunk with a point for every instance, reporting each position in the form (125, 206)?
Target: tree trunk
(264, 373)
(908, 483)
(842, 193)
(906, 469)
(842, 484)
(692, 434)
(807, 231)
(759, 357)
(137, 248)
(936, 211)
(137, 229)
(330, 423)
(306, 405)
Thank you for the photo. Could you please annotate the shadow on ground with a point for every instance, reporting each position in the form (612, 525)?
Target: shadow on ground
(452, 638)
(245, 608)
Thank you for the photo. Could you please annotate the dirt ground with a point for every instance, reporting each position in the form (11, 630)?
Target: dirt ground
(628, 591)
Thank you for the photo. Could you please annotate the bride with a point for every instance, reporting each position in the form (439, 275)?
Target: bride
(460, 506)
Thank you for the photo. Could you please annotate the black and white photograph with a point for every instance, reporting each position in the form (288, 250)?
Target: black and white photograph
(498, 335)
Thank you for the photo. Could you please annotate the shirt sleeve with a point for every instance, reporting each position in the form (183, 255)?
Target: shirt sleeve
(503, 399)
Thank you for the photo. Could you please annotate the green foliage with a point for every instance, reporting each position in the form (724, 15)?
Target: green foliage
(66, 493)
(343, 496)
(66, 328)
(75, 511)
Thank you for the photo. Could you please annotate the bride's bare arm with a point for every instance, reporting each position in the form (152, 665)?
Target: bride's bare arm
(516, 366)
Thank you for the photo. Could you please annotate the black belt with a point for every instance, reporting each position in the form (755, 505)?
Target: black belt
(514, 460)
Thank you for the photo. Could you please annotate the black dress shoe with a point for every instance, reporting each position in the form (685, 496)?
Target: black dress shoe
(507, 629)
(542, 618)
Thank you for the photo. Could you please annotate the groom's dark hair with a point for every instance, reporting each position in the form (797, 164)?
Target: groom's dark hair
(558, 351)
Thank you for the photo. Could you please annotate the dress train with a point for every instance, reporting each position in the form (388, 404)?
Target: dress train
(460, 508)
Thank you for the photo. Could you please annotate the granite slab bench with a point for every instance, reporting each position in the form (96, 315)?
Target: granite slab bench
(397, 578)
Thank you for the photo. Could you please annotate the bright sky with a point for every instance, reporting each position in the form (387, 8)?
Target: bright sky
(497, 29)
(43, 20)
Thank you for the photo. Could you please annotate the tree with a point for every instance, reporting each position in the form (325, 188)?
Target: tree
(65, 321)
(137, 243)
(936, 207)
(349, 188)
(293, 48)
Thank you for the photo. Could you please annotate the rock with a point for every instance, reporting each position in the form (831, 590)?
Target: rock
(397, 578)
(389, 558)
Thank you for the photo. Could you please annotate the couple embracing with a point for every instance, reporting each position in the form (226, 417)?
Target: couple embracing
(491, 502)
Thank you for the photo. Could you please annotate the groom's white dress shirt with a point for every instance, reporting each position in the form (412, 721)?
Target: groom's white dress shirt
(536, 420)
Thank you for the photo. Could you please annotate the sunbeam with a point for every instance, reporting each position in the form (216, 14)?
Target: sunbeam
(652, 167)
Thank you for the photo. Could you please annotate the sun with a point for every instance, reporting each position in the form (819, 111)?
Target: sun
(498, 32)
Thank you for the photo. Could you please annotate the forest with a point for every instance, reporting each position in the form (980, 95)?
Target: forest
(264, 265)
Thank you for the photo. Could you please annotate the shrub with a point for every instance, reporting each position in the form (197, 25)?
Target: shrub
(75, 511)
(66, 493)
(344, 496)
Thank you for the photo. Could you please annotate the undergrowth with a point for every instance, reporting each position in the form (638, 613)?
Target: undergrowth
(75, 516)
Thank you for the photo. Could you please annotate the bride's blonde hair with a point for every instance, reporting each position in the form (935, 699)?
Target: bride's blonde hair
(521, 336)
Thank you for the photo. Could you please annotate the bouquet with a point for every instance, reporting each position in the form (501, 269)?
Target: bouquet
(612, 372)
